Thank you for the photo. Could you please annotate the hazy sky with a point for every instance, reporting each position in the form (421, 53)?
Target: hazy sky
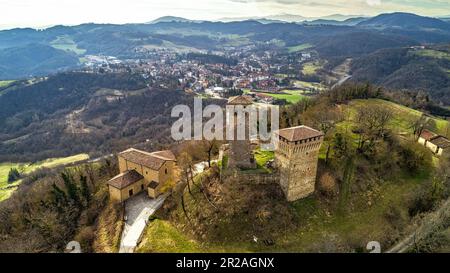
(38, 13)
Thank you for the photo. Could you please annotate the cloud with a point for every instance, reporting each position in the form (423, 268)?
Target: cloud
(284, 2)
(373, 2)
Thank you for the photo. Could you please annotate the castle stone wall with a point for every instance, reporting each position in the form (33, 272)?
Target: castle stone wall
(297, 163)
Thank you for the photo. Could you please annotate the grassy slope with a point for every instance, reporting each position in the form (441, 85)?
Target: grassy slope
(5, 83)
(320, 224)
(67, 44)
(161, 236)
(402, 115)
(433, 54)
(311, 68)
(30, 167)
(109, 229)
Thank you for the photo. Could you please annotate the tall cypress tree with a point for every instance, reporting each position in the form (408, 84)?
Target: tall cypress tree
(59, 197)
(84, 189)
(71, 187)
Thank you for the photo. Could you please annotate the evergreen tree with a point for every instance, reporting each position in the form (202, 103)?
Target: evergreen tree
(58, 196)
(13, 175)
(71, 187)
(84, 189)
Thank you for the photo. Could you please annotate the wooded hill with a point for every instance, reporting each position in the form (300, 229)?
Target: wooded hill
(421, 69)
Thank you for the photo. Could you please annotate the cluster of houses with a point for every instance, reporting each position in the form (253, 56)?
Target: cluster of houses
(169, 69)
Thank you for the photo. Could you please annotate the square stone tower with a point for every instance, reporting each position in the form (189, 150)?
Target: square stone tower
(297, 155)
(241, 155)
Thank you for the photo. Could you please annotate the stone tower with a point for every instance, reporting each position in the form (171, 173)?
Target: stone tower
(296, 156)
(241, 155)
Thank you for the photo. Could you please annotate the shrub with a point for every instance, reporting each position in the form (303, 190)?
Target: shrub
(421, 203)
(414, 157)
(328, 185)
(86, 237)
(13, 175)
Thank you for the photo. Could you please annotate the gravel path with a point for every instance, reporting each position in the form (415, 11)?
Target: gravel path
(137, 211)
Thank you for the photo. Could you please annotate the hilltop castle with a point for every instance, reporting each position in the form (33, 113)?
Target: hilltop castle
(296, 158)
(296, 155)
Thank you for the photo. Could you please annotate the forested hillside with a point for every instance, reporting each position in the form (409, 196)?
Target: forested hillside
(425, 69)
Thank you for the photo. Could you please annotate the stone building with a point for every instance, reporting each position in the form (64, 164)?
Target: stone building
(296, 157)
(435, 143)
(142, 171)
(240, 152)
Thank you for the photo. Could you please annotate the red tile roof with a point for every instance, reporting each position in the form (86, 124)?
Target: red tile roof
(166, 154)
(240, 100)
(125, 179)
(153, 161)
(298, 133)
(441, 142)
(427, 135)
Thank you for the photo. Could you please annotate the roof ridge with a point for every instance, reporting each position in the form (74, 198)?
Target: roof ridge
(161, 157)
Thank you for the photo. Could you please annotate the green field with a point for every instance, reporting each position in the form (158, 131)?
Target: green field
(303, 84)
(298, 48)
(311, 68)
(26, 168)
(67, 44)
(433, 54)
(5, 83)
(291, 96)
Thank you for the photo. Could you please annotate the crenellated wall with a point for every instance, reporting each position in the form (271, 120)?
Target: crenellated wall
(297, 164)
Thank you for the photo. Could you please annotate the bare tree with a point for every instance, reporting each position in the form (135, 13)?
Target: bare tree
(324, 117)
(418, 125)
(210, 147)
(372, 121)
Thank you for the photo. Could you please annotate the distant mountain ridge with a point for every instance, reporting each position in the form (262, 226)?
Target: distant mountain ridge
(330, 38)
(403, 20)
(347, 22)
(166, 19)
(292, 18)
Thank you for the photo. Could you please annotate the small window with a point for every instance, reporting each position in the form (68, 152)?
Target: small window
(166, 171)
(142, 187)
(130, 192)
